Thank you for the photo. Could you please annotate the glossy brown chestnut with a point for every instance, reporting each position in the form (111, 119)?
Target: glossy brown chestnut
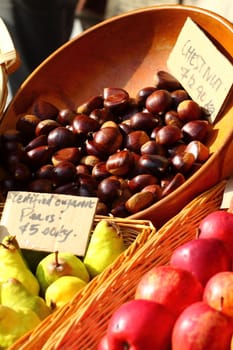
(120, 163)
(144, 121)
(108, 140)
(138, 182)
(71, 154)
(61, 137)
(189, 110)
(165, 80)
(63, 172)
(135, 139)
(109, 189)
(196, 130)
(168, 135)
(154, 164)
(92, 103)
(83, 124)
(45, 126)
(183, 161)
(44, 109)
(116, 99)
(159, 101)
(139, 201)
(142, 95)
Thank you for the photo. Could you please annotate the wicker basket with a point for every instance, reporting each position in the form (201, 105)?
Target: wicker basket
(80, 324)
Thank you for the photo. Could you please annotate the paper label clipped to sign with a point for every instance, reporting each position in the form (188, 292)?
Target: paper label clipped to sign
(227, 199)
(49, 222)
(202, 70)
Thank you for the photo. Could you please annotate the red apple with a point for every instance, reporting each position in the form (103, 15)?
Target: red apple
(103, 344)
(173, 287)
(200, 327)
(218, 224)
(140, 325)
(218, 292)
(203, 257)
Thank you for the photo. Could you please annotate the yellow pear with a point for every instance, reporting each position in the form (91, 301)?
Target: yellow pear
(14, 324)
(105, 245)
(15, 295)
(63, 290)
(13, 265)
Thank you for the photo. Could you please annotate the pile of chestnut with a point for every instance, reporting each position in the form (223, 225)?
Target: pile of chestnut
(128, 152)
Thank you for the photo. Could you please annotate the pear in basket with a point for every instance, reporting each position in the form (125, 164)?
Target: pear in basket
(62, 291)
(58, 264)
(13, 265)
(106, 244)
(15, 295)
(14, 324)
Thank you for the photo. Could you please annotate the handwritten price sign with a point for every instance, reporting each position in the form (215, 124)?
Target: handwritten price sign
(203, 71)
(49, 222)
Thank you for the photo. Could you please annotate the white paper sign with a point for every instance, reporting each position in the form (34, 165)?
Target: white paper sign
(49, 222)
(202, 70)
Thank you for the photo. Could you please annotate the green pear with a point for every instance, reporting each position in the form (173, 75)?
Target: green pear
(106, 244)
(13, 265)
(14, 324)
(59, 264)
(15, 295)
(63, 290)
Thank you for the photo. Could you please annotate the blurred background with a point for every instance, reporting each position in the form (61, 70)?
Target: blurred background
(38, 28)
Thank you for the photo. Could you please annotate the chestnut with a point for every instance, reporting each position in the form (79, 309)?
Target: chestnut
(173, 184)
(99, 171)
(70, 188)
(40, 140)
(139, 201)
(159, 101)
(200, 151)
(61, 137)
(183, 161)
(101, 115)
(168, 135)
(63, 172)
(155, 189)
(196, 130)
(45, 172)
(165, 80)
(178, 96)
(108, 140)
(142, 95)
(65, 116)
(143, 121)
(44, 109)
(171, 118)
(135, 139)
(120, 163)
(152, 147)
(109, 189)
(189, 110)
(71, 154)
(83, 124)
(45, 126)
(26, 124)
(116, 99)
(92, 103)
(154, 164)
(40, 185)
(140, 181)
(39, 156)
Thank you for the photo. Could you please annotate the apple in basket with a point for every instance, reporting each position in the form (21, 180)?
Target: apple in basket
(173, 287)
(201, 327)
(218, 292)
(218, 224)
(203, 257)
(140, 325)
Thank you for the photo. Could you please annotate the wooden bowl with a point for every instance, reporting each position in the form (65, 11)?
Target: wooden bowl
(125, 51)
